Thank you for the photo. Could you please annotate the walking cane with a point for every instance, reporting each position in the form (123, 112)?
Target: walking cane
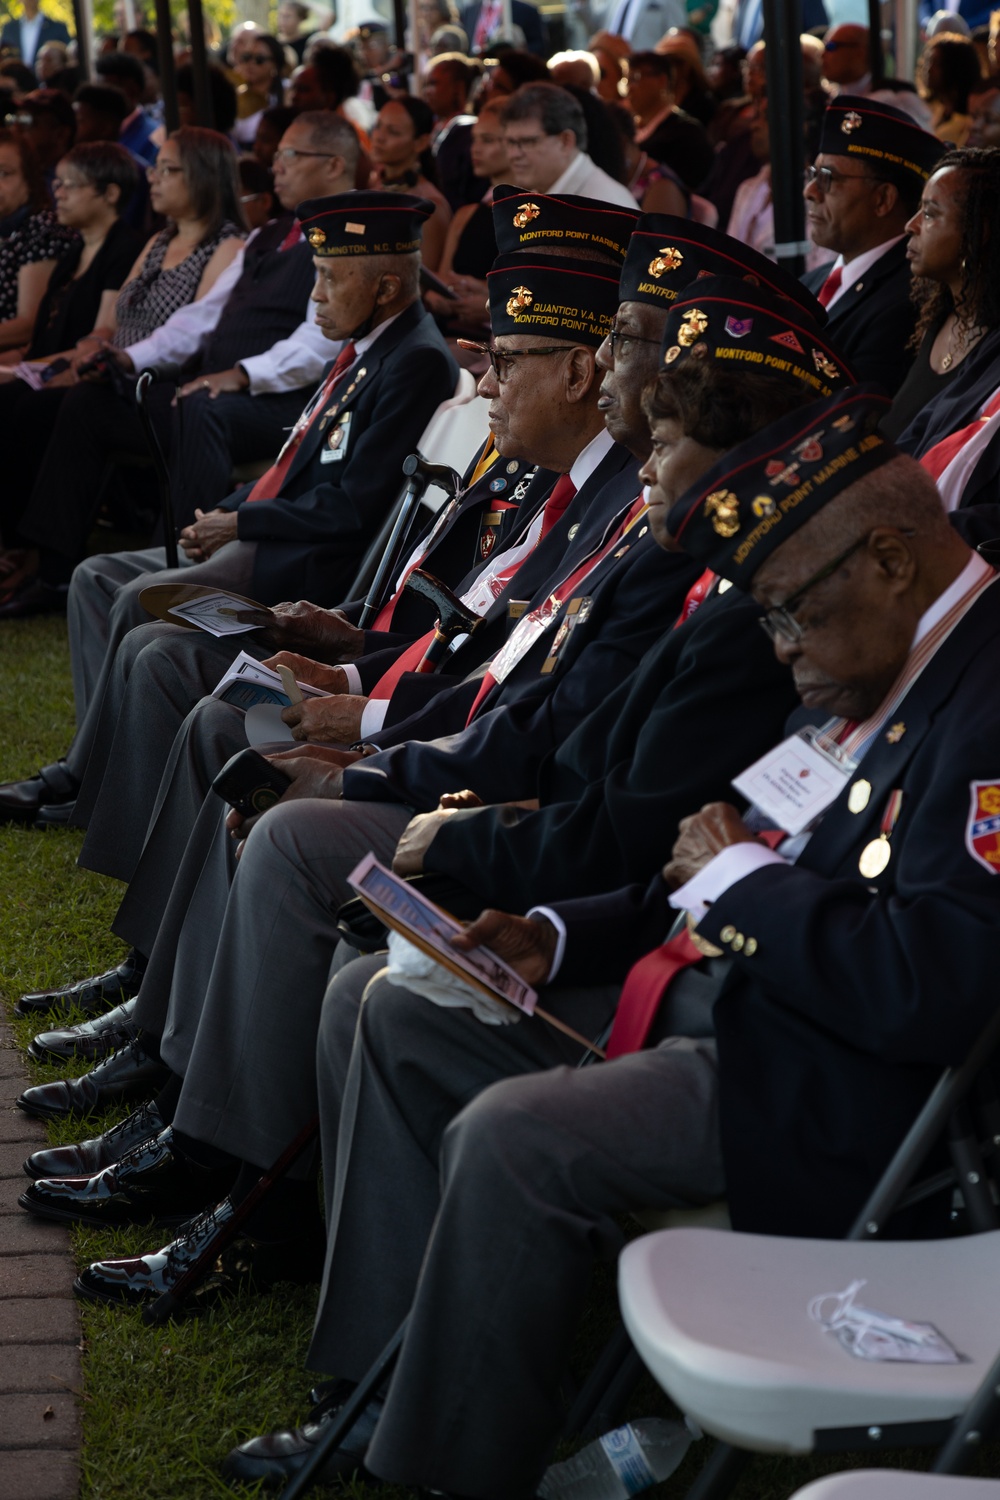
(142, 385)
(168, 1305)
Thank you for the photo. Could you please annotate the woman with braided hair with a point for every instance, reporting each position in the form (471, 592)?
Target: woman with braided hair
(955, 379)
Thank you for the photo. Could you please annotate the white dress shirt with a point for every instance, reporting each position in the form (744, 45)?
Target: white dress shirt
(588, 180)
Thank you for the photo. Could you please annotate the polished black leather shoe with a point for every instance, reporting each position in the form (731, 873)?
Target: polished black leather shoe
(136, 1281)
(277, 1457)
(91, 1157)
(21, 801)
(55, 814)
(127, 1074)
(91, 1040)
(35, 598)
(92, 996)
(153, 1183)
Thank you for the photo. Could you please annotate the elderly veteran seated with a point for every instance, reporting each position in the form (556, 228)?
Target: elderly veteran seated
(305, 524)
(475, 1175)
(708, 698)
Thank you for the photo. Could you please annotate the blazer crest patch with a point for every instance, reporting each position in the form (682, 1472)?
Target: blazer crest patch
(982, 831)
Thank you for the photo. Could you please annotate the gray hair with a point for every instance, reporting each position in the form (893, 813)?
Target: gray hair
(553, 108)
(331, 132)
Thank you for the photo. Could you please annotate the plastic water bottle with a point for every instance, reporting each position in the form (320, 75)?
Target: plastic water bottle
(623, 1462)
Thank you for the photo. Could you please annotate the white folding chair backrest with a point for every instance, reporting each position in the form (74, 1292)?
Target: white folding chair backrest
(455, 433)
(721, 1321)
(890, 1484)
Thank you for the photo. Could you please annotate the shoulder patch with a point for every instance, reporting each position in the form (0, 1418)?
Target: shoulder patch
(982, 831)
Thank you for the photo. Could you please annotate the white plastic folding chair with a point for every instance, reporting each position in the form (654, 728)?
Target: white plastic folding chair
(890, 1484)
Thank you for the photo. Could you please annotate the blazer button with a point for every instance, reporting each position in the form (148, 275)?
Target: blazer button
(737, 942)
(727, 934)
(860, 286)
(750, 947)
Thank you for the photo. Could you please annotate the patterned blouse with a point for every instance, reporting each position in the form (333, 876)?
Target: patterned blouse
(148, 301)
(24, 238)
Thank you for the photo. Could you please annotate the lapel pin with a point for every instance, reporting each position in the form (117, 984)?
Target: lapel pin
(895, 734)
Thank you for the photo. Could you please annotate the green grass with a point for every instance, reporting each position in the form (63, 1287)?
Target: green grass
(162, 1405)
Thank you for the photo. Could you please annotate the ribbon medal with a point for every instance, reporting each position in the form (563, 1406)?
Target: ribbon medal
(876, 855)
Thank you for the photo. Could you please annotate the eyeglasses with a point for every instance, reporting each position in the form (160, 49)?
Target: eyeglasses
(260, 58)
(289, 153)
(825, 178)
(524, 142)
(779, 622)
(250, 197)
(162, 169)
(63, 185)
(617, 335)
(498, 357)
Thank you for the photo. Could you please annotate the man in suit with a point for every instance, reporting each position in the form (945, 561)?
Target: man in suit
(302, 527)
(671, 707)
(864, 185)
(475, 1187)
(481, 24)
(30, 32)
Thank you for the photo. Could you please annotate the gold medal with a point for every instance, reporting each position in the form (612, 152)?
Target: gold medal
(875, 857)
(857, 797)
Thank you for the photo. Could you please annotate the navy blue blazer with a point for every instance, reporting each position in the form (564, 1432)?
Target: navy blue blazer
(872, 322)
(860, 990)
(51, 31)
(312, 536)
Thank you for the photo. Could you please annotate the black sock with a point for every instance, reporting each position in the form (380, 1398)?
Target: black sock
(166, 1099)
(289, 1207)
(202, 1154)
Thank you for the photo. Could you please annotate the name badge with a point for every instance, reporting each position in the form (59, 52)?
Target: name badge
(335, 443)
(795, 783)
(577, 611)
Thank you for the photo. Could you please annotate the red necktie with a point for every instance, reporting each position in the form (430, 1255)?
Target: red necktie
(562, 493)
(642, 993)
(830, 287)
(291, 239)
(269, 485)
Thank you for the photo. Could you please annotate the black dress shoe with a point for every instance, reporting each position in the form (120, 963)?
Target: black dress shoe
(153, 1183)
(55, 814)
(92, 996)
(91, 1040)
(127, 1074)
(277, 1457)
(21, 801)
(34, 598)
(91, 1157)
(136, 1281)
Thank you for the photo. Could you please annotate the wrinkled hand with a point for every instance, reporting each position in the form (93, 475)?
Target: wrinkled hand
(460, 799)
(528, 944)
(315, 771)
(417, 837)
(316, 673)
(222, 380)
(322, 720)
(324, 633)
(210, 530)
(701, 837)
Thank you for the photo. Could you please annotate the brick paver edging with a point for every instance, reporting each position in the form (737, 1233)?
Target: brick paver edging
(39, 1323)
